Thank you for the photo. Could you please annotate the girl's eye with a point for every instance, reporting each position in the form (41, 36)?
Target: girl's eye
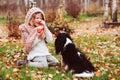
(38, 18)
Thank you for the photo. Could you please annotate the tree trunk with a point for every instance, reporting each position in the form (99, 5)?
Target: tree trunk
(114, 10)
(105, 18)
(85, 4)
(46, 3)
(22, 6)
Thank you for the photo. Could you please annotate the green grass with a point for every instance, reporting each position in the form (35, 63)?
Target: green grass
(103, 51)
(81, 17)
(2, 20)
(86, 16)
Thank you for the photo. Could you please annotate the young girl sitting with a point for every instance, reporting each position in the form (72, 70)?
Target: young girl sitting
(35, 34)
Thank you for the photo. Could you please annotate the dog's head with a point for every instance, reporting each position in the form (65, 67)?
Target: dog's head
(60, 41)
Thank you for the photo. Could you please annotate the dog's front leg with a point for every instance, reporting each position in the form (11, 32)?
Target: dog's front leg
(66, 68)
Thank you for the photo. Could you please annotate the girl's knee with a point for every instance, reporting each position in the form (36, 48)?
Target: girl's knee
(38, 64)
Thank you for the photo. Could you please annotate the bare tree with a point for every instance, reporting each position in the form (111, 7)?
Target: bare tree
(22, 6)
(114, 10)
(106, 11)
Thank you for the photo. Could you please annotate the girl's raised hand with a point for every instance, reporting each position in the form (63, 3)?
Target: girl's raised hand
(40, 31)
(40, 28)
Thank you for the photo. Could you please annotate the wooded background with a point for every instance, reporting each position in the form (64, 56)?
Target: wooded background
(18, 7)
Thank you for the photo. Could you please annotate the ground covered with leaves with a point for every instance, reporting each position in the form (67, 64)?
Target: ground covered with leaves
(101, 44)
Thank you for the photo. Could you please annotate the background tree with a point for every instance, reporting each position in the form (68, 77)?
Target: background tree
(114, 11)
(22, 6)
(106, 11)
(73, 7)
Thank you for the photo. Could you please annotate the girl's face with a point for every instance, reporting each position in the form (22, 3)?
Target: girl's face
(37, 19)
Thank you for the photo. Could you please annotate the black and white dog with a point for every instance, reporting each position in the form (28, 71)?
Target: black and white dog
(75, 61)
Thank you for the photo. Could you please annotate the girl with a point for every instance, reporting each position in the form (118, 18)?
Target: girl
(34, 35)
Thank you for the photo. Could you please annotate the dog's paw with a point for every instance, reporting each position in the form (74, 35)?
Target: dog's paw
(84, 74)
(66, 68)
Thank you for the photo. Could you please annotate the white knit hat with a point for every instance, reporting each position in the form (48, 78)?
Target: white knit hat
(31, 12)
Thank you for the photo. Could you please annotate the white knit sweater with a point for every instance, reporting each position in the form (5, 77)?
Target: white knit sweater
(39, 49)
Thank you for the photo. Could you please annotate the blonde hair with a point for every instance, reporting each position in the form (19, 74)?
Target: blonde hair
(33, 17)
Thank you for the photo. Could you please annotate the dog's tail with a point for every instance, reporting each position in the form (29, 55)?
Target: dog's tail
(84, 74)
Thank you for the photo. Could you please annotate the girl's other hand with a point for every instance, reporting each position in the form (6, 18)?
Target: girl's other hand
(42, 22)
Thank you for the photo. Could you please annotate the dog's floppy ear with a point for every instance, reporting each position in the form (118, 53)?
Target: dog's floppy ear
(57, 46)
(59, 42)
